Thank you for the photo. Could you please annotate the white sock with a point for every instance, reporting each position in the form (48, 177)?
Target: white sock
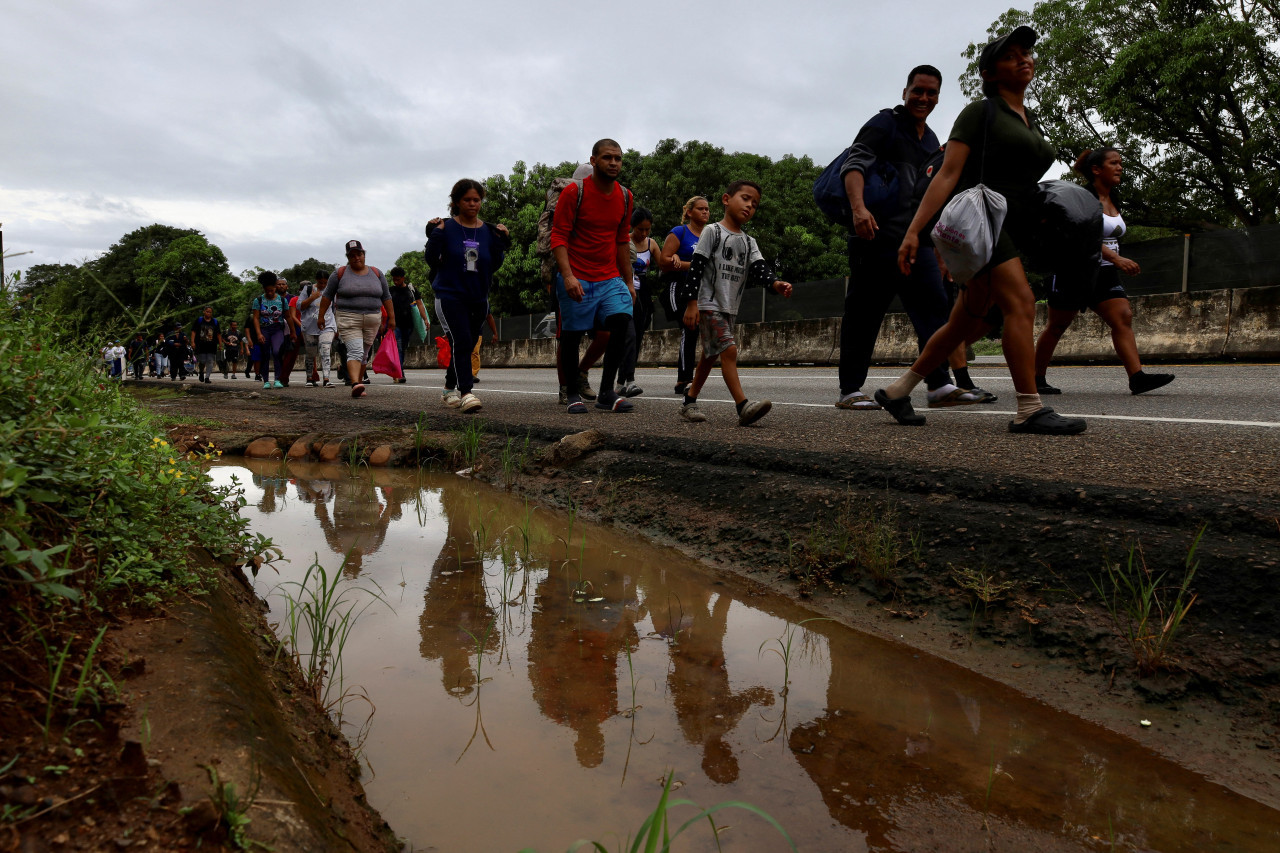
(903, 385)
(941, 391)
(1028, 405)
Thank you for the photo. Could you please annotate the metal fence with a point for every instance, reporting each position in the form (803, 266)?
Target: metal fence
(1212, 260)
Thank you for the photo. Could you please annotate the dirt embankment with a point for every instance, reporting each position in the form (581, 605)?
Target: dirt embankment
(985, 567)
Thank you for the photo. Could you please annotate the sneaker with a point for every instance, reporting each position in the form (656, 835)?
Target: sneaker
(753, 411)
(475, 379)
(469, 403)
(277, 384)
(1048, 422)
(629, 389)
(208, 381)
(943, 398)
(564, 396)
(584, 387)
(1140, 383)
(901, 409)
(266, 386)
(577, 407)
(984, 396)
(1043, 387)
(310, 383)
(680, 388)
(691, 413)
(328, 384)
(857, 401)
(451, 398)
(616, 404)
(402, 381)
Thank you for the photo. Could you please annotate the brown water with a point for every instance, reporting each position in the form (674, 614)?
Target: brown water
(530, 696)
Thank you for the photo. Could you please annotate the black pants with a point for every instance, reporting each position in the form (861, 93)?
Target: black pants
(874, 279)
(462, 321)
(616, 325)
(688, 357)
(641, 317)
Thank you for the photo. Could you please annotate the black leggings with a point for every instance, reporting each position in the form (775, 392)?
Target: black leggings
(688, 358)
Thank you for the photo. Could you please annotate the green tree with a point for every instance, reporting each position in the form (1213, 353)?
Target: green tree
(305, 271)
(1187, 90)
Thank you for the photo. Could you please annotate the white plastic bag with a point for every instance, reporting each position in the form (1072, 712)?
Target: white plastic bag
(967, 230)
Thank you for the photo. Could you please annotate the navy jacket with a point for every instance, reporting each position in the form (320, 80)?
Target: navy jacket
(891, 135)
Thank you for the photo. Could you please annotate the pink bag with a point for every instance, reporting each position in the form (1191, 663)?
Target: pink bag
(387, 360)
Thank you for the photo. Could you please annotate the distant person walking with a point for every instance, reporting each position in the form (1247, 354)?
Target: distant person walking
(593, 283)
(464, 251)
(407, 301)
(317, 341)
(644, 260)
(206, 340)
(674, 261)
(271, 328)
(1102, 169)
(359, 296)
(231, 345)
(1009, 157)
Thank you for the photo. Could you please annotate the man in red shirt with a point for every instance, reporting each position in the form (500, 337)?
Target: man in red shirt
(590, 241)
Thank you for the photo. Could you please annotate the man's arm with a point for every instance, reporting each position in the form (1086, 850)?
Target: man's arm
(624, 267)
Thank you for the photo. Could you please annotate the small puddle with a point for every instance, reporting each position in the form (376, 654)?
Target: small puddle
(535, 677)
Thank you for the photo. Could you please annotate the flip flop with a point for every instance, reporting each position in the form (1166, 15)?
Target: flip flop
(357, 390)
(619, 404)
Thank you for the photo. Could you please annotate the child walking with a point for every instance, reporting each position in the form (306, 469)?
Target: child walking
(725, 262)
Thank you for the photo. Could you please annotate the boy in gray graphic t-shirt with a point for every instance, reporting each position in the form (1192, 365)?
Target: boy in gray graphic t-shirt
(724, 263)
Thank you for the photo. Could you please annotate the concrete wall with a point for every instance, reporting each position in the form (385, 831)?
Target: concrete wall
(1241, 323)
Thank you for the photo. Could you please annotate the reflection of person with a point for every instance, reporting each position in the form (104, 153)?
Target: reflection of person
(1009, 157)
(359, 296)
(706, 706)
(1101, 169)
(573, 659)
(456, 598)
(463, 251)
(677, 255)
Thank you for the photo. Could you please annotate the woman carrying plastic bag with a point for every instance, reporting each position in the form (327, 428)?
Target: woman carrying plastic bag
(1008, 158)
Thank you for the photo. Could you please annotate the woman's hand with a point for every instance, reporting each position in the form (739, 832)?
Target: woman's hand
(503, 229)
(1127, 266)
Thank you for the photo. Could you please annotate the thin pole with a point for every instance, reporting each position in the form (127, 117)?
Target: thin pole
(1186, 259)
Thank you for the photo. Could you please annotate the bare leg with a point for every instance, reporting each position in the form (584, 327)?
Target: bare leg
(596, 349)
(1117, 314)
(729, 370)
(1059, 322)
(700, 375)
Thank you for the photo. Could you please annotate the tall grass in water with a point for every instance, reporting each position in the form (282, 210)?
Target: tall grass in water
(466, 445)
(655, 834)
(319, 619)
(1147, 613)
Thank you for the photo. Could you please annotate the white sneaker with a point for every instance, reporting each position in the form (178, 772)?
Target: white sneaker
(469, 403)
(452, 398)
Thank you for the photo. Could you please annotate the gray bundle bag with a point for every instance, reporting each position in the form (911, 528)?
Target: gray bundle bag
(967, 230)
(970, 224)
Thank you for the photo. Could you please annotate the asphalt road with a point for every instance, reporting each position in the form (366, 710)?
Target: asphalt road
(1216, 428)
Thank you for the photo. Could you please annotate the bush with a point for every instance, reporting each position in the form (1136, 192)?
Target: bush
(94, 503)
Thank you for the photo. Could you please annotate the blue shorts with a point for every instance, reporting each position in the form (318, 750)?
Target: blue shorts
(600, 299)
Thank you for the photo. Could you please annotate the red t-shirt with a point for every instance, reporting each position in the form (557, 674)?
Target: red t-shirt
(593, 230)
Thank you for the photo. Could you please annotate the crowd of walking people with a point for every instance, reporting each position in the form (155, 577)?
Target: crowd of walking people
(602, 268)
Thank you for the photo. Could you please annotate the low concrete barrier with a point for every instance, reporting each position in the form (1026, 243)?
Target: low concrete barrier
(1240, 323)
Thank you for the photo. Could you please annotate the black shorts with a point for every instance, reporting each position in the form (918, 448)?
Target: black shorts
(1067, 294)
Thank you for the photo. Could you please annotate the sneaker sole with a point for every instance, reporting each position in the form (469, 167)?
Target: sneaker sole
(759, 413)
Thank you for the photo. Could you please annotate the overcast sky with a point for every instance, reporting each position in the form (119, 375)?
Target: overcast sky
(280, 129)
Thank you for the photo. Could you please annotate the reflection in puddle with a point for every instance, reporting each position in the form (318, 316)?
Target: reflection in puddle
(535, 678)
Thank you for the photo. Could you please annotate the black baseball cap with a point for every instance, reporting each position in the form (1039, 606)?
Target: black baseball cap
(354, 246)
(1024, 36)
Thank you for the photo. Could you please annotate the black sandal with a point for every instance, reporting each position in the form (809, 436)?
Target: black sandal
(901, 409)
(1048, 422)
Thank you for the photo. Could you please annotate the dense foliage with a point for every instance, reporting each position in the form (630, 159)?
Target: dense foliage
(94, 503)
(1187, 90)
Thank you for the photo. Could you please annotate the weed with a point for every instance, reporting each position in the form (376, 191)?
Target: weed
(861, 536)
(982, 587)
(513, 461)
(1140, 608)
(233, 809)
(655, 835)
(419, 434)
(354, 456)
(917, 545)
(90, 679)
(467, 440)
(782, 647)
(320, 618)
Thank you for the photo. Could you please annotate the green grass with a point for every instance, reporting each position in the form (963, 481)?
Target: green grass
(1147, 613)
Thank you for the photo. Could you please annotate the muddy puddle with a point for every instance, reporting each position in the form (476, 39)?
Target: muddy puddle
(535, 677)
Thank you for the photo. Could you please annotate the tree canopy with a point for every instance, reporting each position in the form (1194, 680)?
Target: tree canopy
(1186, 90)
